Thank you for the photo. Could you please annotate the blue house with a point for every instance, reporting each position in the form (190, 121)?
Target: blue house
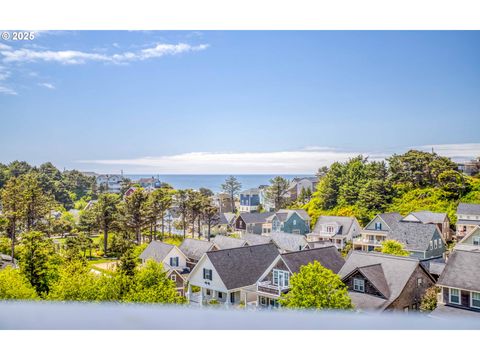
(288, 221)
(249, 200)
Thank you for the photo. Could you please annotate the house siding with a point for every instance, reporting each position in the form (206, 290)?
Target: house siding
(369, 288)
(301, 226)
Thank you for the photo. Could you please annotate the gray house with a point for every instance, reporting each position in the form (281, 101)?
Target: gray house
(251, 222)
(430, 217)
(288, 221)
(423, 241)
(194, 250)
(379, 282)
(468, 216)
(460, 284)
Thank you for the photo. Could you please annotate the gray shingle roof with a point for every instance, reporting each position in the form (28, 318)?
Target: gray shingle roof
(468, 222)
(391, 219)
(415, 236)
(429, 217)
(328, 257)
(468, 209)
(255, 218)
(252, 191)
(242, 266)
(194, 249)
(227, 242)
(397, 271)
(287, 241)
(345, 223)
(254, 239)
(226, 218)
(156, 250)
(374, 273)
(462, 271)
(284, 214)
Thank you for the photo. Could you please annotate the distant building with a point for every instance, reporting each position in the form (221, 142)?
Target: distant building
(223, 202)
(249, 200)
(110, 183)
(468, 216)
(149, 183)
(251, 222)
(470, 168)
(288, 221)
(299, 184)
(429, 217)
(337, 229)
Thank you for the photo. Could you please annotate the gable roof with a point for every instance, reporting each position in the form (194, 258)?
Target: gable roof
(415, 236)
(194, 249)
(156, 250)
(252, 191)
(391, 218)
(255, 218)
(227, 242)
(468, 209)
(397, 270)
(287, 241)
(242, 266)
(254, 239)
(344, 223)
(327, 256)
(462, 270)
(471, 233)
(429, 217)
(374, 273)
(226, 218)
(284, 214)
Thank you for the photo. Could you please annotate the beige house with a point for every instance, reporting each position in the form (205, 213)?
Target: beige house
(376, 231)
(338, 230)
(468, 216)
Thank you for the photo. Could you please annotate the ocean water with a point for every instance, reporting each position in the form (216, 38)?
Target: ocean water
(212, 182)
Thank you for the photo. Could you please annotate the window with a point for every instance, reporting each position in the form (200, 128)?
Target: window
(220, 295)
(294, 222)
(476, 240)
(296, 231)
(232, 298)
(378, 226)
(475, 302)
(419, 282)
(435, 243)
(208, 292)
(431, 244)
(280, 278)
(207, 274)
(173, 277)
(329, 229)
(174, 261)
(359, 285)
(263, 301)
(455, 296)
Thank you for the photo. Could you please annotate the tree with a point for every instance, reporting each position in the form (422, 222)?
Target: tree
(11, 203)
(151, 285)
(196, 202)
(36, 204)
(206, 192)
(159, 202)
(106, 212)
(277, 192)
(128, 262)
(37, 260)
(15, 286)
(210, 217)
(232, 187)
(429, 299)
(315, 286)
(17, 168)
(182, 198)
(133, 213)
(454, 183)
(393, 247)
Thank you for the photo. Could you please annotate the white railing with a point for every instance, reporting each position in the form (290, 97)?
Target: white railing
(268, 288)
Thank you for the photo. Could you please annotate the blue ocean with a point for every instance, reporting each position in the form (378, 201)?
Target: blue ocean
(212, 182)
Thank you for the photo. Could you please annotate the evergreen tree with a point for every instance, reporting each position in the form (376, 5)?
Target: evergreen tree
(232, 187)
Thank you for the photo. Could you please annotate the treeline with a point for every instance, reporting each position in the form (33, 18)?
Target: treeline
(64, 187)
(412, 181)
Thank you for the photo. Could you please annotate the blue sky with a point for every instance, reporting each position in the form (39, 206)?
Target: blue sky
(236, 102)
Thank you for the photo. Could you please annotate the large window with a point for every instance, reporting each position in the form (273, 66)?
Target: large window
(455, 296)
(280, 278)
(174, 261)
(475, 302)
(207, 274)
(359, 285)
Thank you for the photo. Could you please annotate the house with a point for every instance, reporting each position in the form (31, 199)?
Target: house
(288, 242)
(227, 242)
(178, 278)
(470, 168)
(288, 221)
(468, 216)
(223, 275)
(251, 222)
(299, 184)
(169, 255)
(337, 229)
(226, 222)
(149, 183)
(110, 183)
(254, 239)
(471, 239)
(194, 250)
(423, 241)
(223, 202)
(380, 282)
(275, 280)
(249, 200)
(460, 284)
(375, 232)
(129, 191)
(430, 217)
(265, 202)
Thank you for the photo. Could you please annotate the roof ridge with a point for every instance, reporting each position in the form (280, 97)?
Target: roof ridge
(406, 258)
(305, 250)
(240, 247)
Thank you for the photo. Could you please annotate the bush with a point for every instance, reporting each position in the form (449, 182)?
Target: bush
(15, 286)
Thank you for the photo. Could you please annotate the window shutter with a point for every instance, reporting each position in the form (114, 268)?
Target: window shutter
(204, 273)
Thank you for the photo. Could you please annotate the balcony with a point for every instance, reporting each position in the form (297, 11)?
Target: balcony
(268, 288)
(368, 241)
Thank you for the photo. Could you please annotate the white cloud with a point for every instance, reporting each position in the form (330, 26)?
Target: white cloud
(7, 91)
(5, 47)
(47, 85)
(281, 162)
(304, 161)
(74, 57)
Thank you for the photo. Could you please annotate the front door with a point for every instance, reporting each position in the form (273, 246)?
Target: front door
(232, 298)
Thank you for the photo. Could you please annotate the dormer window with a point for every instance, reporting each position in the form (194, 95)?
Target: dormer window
(329, 229)
(174, 261)
(378, 226)
(359, 285)
(281, 278)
